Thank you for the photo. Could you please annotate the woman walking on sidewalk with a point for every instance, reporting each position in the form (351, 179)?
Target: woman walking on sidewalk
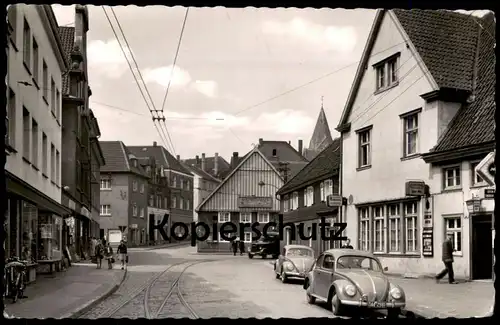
(99, 253)
(109, 255)
(122, 254)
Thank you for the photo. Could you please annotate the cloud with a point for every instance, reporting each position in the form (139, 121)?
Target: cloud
(106, 57)
(180, 79)
(285, 122)
(65, 15)
(341, 39)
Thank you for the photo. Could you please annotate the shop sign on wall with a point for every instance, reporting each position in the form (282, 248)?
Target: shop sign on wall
(428, 243)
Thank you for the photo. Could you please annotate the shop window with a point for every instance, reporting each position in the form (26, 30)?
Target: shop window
(454, 226)
(411, 227)
(394, 228)
(246, 217)
(364, 229)
(379, 229)
(29, 227)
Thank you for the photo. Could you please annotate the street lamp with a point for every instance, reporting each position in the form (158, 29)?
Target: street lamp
(473, 205)
(262, 183)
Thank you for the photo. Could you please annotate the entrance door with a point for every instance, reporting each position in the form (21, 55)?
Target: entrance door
(482, 250)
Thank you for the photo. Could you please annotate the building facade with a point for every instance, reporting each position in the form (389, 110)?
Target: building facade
(123, 198)
(82, 155)
(247, 195)
(304, 201)
(399, 91)
(35, 62)
(203, 185)
(179, 180)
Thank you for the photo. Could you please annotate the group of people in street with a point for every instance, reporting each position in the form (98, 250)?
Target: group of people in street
(238, 244)
(103, 250)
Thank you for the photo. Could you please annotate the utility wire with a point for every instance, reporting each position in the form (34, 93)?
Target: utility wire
(175, 59)
(155, 118)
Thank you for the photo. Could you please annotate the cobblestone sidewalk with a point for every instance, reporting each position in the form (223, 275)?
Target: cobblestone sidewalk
(427, 299)
(65, 292)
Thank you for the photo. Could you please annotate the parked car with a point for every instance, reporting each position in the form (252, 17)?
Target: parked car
(353, 278)
(266, 246)
(295, 261)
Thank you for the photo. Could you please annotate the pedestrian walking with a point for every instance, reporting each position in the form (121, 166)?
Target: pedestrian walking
(108, 253)
(122, 254)
(241, 244)
(348, 244)
(447, 260)
(99, 253)
(234, 245)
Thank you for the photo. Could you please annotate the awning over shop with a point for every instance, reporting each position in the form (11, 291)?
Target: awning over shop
(76, 208)
(17, 186)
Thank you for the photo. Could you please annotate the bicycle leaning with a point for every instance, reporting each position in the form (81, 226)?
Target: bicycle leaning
(15, 278)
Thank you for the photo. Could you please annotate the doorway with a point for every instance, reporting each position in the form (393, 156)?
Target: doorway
(482, 250)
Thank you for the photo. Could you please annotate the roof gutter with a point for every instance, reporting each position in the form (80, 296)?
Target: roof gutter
(441, 157)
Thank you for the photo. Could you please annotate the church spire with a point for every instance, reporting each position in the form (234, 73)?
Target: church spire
(321, 137)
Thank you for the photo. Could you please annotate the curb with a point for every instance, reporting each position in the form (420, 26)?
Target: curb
(166, 246)
(91, 304)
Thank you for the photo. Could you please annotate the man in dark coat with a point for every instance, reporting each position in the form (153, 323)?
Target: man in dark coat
(234, 245)
(447, 260)
(241, 245)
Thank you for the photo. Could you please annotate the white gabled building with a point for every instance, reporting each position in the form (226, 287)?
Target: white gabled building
(416, 85)
(36, 63)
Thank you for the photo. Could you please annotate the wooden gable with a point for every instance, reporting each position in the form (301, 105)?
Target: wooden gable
(244, 182)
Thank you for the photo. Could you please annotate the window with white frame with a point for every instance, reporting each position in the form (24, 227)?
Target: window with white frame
(364, 148)
(322, 191)
(134, 186)
(174, 202)
(411, 227)
(224, 217)
(246, 217)
(379, 229)
(286, 204)
(364, 230)
(387, 73)
(141, 214)
(476, 180)
(263, 217)
(105, 210)
(181, 182)
(151, 200)
(174, 181)
(247, 237)
(188, 204)
(452, 179)
(181, 203)
(394, 218)
(328, 188)
(410, 134)
(453, 225)
(134, 210)
(310, 195)
(142, 188)
(295, 201)
(105, 184)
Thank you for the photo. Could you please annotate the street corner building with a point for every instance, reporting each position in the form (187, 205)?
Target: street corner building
(418, 119)
(36, 63)
(247, 194)
(304, 200)
(172, 192)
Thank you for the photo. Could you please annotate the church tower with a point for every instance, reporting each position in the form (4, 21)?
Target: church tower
(321, 137)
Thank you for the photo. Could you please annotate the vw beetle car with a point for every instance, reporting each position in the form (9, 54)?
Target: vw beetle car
(294, 262)
(265, 246)
(352, 278)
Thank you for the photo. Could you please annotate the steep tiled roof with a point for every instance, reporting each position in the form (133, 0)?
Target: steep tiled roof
(322, 137)
(475, 122)
(324, 165)
(116, 155)
(206, 176)
(223, 166)
(161, 155)
(67, 36)
(446, 41)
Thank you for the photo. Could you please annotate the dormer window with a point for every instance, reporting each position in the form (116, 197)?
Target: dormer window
(134, 162)
(274, 152)
(386, 73)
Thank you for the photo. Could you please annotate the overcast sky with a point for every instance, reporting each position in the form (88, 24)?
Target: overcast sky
(229, 61)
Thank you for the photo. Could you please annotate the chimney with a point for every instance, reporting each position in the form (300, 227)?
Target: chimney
(300, 147)
(216, 164)
(261, 140)
(234, 160)
(289, 142)
(197, 160)
(203, 162)
(154, 143)
(179, 157)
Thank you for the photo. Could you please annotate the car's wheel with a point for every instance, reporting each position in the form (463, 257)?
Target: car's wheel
(283, 276)
(264, 256)
(393, 313)
(336, 305)
(310, 299)
(250, 256)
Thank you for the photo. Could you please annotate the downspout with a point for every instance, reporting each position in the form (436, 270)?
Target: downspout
(341, 208)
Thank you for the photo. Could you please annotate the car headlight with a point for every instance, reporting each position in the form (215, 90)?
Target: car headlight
(396, 293)
(289, 266)
(350, 290)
